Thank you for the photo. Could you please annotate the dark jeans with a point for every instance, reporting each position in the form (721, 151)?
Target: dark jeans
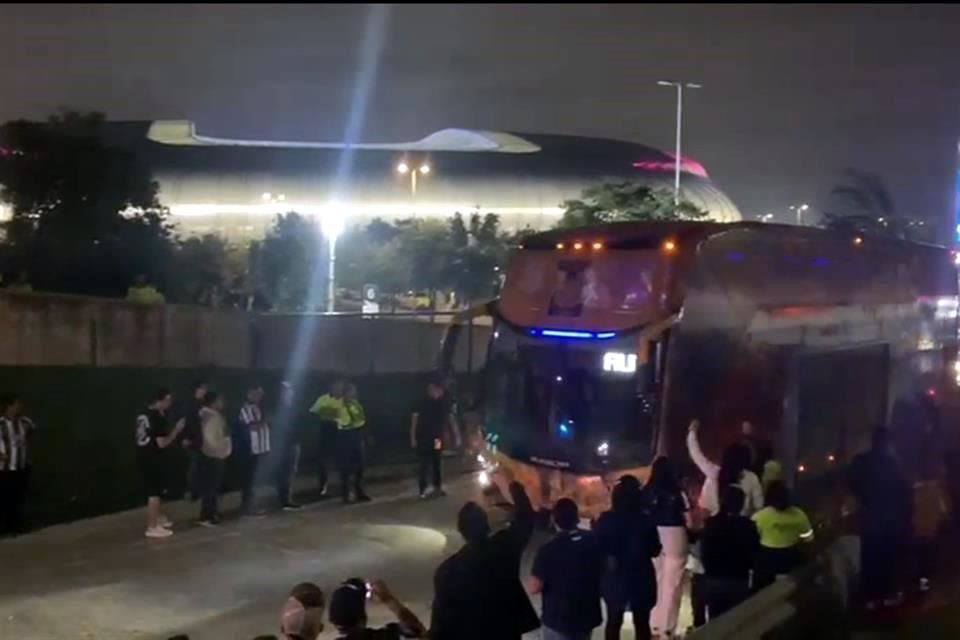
(351, 459)
(925, 557)
(723, 594)
(429, 459)
(775, 562)
(326, 450)
(208, 481)
(248, 464)
(879, 552)
(13, 500)
(698, 599)
(194, 483)
(286, 472)
(641, 622)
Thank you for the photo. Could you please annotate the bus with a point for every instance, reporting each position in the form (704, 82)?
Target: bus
(607, 341)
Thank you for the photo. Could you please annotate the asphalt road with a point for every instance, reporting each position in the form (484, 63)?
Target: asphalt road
(101, 579)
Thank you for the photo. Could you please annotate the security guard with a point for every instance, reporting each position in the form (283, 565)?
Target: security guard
(332, 413)
(350, 449)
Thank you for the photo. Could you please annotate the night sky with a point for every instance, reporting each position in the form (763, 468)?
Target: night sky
(792, 95)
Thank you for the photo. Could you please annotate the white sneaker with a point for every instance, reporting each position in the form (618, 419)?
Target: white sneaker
(158, 532)
(165, 522)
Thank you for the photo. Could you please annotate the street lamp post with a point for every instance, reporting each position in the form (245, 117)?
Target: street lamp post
(403, 169)
(332, 224)
(680, 86)
(800, 210)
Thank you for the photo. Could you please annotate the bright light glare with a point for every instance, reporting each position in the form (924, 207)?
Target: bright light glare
(403, 168)
(281, 197)
(603, 449)
(597, 245)
(484, 479)
(266, 195)
(669, 246)
(425, 169)
(332, 223)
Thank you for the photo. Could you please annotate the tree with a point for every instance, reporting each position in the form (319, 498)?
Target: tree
(288, 263)
(866, 206)
(201, 269)
(478, 251)
(625, 200)
(85, 215)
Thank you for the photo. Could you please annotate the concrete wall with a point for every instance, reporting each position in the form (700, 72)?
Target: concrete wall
(54, 330)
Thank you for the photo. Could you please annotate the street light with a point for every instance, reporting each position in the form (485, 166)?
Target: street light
(800, 210)
(403, 169)
(332, 223)
(680, 86)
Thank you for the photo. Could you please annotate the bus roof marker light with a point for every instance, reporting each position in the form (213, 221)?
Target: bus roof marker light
(577, 246)
(669, 246)
(560, 246)
(597, 246)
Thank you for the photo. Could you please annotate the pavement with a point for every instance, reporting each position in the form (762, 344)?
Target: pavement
(101, 579)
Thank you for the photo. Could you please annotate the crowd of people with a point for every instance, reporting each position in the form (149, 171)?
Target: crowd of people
(739, 534)
(266, 449)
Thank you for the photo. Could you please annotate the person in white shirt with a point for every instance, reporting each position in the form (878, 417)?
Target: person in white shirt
(733, 470)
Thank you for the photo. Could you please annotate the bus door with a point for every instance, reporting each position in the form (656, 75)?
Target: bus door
(834, 398)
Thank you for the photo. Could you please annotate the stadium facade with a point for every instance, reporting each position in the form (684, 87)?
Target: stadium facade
(236, 187)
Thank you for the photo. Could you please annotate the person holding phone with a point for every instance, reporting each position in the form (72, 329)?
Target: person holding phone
(348, 612)
(428, 423)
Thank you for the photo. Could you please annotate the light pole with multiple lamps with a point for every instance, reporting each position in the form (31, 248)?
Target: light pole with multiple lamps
(403, 169)
(680, 86)
(800, 210)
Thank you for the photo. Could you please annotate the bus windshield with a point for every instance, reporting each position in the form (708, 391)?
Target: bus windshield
(612, 290)
(566, 399)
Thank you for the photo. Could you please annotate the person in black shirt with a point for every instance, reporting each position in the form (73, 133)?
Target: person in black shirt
(729, 546)
(629, 541)
(348, 613)
(484, 577)
(427, 427)
(885, 503)
(153, 437)
(568, 571)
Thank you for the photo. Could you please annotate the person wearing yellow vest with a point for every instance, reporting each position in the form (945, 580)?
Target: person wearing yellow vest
(350, 446)
(331, 412)
(144, 293)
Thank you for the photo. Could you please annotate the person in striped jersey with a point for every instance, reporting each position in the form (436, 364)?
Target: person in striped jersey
(251, 447)
(16, 434)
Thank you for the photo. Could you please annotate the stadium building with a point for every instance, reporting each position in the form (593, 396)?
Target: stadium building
(236, 187)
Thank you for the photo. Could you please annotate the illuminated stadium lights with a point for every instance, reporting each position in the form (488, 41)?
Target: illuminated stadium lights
(425, 169)
(403, 168)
